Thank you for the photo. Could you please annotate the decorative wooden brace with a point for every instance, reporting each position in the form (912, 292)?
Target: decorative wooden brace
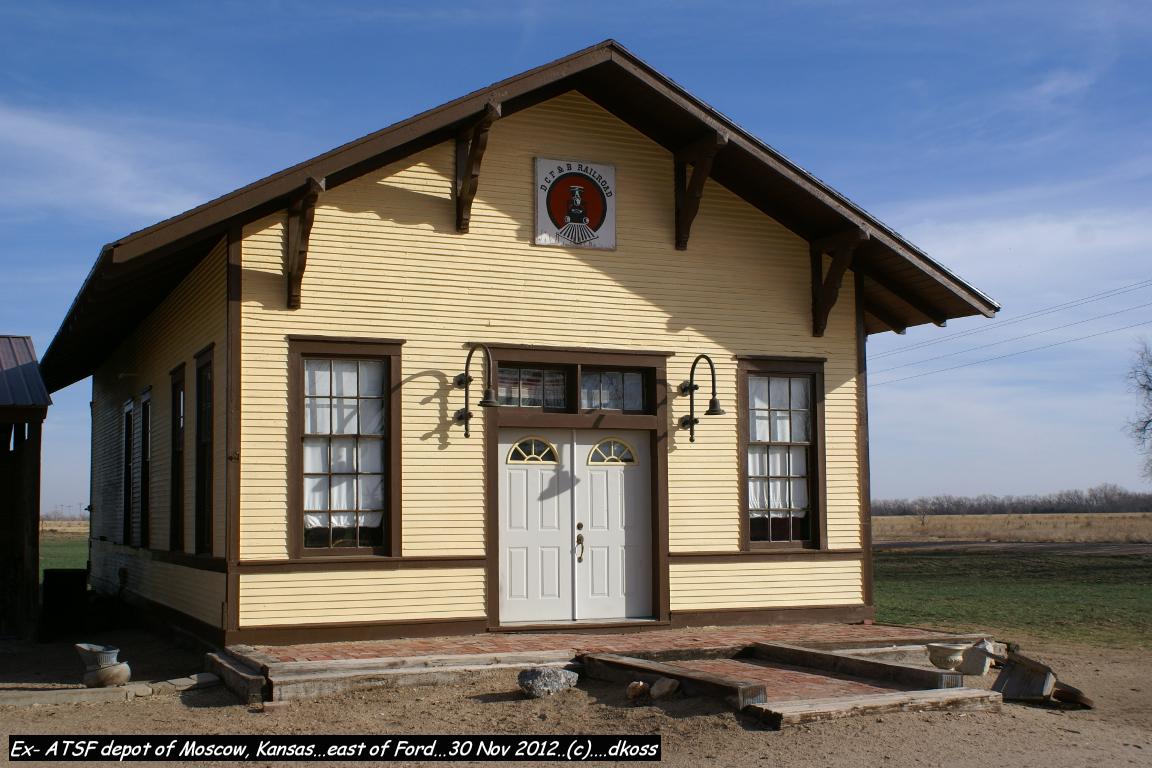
(700, 155)
(470, 146)
(826, 287)
(301, 212)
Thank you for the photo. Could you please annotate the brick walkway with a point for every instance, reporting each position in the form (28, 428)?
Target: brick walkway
(784, 683)
(507, 642)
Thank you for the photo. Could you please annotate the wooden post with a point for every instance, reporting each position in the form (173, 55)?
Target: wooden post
(28, 601)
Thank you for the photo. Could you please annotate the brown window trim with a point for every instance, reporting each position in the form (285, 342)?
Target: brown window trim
(300, 347)
(648, 362)
(762, 364)
(657, 424)
(127, 471)
(177, 457)
(146, 468)
(203, 433)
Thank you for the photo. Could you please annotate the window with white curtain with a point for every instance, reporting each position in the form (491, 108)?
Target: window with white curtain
(345, 409)
(780, 426)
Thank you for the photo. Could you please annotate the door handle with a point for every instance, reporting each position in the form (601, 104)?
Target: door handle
(580, 543)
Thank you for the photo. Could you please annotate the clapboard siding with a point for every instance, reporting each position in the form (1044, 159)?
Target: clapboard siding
(385, 261)
(715, 586)
(341, 596)
(192, 317)
(197, 593)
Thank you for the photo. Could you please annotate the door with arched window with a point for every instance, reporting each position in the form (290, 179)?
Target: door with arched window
(613, 511)
(575, 531)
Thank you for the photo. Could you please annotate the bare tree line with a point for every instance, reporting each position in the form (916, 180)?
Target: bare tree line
(1102, 498)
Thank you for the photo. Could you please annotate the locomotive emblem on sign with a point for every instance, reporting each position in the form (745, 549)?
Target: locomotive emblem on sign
(575, 204)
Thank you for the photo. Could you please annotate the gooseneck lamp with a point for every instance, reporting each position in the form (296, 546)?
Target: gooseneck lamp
(464, 381)
(689, 388)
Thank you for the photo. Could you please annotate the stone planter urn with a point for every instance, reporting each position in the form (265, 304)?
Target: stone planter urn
(101, 668)
(946, 655)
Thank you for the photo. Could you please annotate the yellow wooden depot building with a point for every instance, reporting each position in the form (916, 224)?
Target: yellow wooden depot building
(448, 378)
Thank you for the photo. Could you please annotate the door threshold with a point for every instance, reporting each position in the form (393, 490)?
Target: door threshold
(582, 625)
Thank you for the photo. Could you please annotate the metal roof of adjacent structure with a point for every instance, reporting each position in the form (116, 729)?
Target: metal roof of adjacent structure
(900, 285)
(23, 395)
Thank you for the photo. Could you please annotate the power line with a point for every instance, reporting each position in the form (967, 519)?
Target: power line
(1013, 321)
(1014, 338)
(1011, 354)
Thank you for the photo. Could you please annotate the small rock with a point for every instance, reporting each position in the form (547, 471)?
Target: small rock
(637, 689)
(140, 690)
(665, 686)
(204, 679)
(272, 707)
(545, 681)
(161, 687)
(182, 683)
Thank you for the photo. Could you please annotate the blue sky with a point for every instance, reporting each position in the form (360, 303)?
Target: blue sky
(1011, 140)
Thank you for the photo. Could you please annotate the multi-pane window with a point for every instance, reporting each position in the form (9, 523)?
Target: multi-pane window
(344, 452)
(779, 458)
(525, 387)
(612, 390)
(528, 386)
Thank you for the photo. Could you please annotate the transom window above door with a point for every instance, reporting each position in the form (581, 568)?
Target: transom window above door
(533, 387)
(555, 388)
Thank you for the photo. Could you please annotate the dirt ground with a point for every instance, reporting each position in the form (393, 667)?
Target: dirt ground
(695, 731)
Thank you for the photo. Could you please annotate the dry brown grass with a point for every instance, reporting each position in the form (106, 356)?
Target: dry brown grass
(1129, 528)
(70, 527)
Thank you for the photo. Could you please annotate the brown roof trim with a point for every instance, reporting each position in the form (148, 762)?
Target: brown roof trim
(607, 73)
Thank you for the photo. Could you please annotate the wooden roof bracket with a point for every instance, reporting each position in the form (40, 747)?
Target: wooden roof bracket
(700, 154)
(826, 287)
(301, 213)
(470, 145)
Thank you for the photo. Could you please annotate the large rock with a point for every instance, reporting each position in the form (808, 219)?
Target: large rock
(109, 676)
(545, 681)
(664, 686)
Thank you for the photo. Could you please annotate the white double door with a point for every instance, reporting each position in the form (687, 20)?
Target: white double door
(575, 525)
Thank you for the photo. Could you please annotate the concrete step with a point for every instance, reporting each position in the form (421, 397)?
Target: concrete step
(289, 685)
(784, 713)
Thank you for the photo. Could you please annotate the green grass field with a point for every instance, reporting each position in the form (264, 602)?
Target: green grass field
(62, 550)
(1087, 599)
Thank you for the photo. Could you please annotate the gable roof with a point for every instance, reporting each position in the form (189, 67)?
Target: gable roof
(23, 396)
(901, 286)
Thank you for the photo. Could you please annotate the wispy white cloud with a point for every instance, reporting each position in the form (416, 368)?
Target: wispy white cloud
(1061, 84)
(99, 164)
(95, 164)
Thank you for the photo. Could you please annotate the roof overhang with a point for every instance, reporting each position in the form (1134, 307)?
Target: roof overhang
(23, 396)
(900, 285)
